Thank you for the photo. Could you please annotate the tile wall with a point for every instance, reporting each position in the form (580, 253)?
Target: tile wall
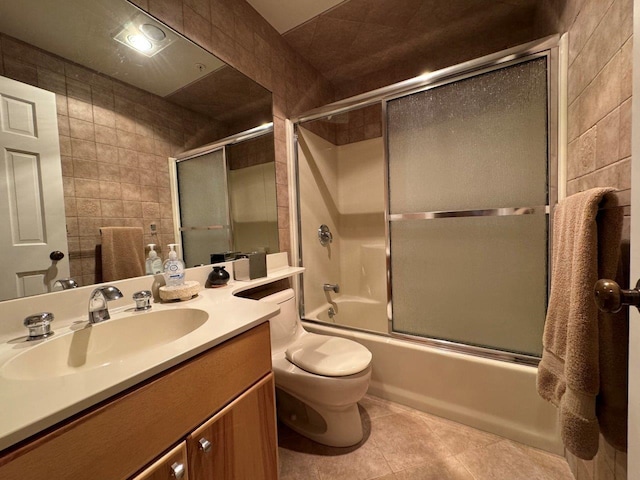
(114, 141)
(250, 153)
(599, 133)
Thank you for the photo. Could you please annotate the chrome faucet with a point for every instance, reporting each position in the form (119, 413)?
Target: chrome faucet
(331, 287)
(98, 310)
(65, 283)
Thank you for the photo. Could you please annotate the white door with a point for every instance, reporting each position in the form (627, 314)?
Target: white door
(633, 465)
(32, 219)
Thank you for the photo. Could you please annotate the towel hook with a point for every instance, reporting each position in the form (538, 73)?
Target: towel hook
(611, 298)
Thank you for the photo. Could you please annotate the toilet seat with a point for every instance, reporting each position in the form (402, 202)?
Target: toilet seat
(328, 356)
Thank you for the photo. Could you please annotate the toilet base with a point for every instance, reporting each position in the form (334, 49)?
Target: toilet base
(335, 427)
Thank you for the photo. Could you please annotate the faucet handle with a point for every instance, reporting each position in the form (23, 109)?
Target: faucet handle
(142, 299)
(39, 325)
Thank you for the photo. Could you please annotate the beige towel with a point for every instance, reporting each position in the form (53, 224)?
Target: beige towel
(585, 247)
(122, 253)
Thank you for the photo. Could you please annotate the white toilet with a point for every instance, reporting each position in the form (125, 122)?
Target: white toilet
(319, 378)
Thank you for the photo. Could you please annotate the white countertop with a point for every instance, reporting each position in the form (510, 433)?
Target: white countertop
(29, 406)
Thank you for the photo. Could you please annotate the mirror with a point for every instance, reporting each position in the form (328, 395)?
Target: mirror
(240, 180)
(120, 115)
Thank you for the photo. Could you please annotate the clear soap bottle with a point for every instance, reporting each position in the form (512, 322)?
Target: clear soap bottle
(153, 264)
(173, 268)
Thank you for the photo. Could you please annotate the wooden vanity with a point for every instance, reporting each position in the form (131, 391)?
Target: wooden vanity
(211, 417)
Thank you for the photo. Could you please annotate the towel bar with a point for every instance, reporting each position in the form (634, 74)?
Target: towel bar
(610, 298)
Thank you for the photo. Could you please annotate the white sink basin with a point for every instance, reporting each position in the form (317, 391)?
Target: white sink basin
(102, 344)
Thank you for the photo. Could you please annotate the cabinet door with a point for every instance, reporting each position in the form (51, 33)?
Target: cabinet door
(171, 466)
(238, 443)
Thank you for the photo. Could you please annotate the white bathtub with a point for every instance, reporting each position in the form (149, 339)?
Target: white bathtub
(491, 395)
(352, 311)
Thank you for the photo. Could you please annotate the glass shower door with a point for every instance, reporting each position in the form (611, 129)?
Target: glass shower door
(468, 209)
(204, 208)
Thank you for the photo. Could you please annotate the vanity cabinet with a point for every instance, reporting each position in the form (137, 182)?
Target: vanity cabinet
(171, 466)
(239, 441)
(226, 392)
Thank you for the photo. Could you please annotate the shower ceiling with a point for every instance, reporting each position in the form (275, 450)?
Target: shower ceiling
(359, 45)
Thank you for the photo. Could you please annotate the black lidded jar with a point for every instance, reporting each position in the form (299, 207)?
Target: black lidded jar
(218, 277)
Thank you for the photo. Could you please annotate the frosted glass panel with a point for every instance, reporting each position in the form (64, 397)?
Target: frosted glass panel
(474, 280)
(202, 189)
(472, 144)
(198, 245)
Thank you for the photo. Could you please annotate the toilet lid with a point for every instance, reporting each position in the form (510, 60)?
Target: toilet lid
(328, 356)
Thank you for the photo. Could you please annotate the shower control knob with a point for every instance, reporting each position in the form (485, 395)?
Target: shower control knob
(611, 298)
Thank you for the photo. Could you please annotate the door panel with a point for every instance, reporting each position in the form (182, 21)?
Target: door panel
(241, 439)
(31, 196)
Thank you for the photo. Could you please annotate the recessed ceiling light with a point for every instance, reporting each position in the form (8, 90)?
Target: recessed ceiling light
(152, 32)
(139, 43)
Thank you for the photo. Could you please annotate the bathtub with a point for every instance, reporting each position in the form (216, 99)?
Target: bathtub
(353, 311)
(492, 395)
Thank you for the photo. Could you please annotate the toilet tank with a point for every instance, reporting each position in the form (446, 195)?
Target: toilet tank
(285, 326)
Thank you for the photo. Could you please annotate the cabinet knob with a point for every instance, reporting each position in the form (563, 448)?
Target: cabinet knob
(205, 445)
(177, 470)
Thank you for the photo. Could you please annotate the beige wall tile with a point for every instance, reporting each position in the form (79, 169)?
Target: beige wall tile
(83, 149)
(85, 188)
(608, 142)
(88, 207)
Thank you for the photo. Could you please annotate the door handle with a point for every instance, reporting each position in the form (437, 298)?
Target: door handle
(56, 255)
(611, 298)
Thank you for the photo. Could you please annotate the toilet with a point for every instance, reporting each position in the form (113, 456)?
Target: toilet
(319, 378)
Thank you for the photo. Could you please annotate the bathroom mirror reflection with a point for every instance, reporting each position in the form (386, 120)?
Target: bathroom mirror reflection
(115, 116)
(239, 175)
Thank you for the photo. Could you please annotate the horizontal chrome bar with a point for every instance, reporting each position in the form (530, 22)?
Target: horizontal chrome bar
(489, 212)
(207, 227)
(483, 352)
(233, 139)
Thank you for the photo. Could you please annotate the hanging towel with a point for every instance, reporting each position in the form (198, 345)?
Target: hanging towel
(122, 253)
(585, 247)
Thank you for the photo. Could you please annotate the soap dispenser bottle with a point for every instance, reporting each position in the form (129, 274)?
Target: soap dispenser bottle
(173, 268)
(153, 265)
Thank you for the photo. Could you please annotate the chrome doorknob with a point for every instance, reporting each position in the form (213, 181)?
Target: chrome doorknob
(611, 298)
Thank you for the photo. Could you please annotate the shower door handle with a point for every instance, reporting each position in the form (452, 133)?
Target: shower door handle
(610, 298)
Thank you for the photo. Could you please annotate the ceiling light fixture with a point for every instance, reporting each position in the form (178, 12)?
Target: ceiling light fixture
(152, 32)
(139, 43)
(143, 37)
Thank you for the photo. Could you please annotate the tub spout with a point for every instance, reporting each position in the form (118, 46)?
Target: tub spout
(331, 287)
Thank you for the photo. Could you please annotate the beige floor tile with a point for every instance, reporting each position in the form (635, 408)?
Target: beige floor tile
(360, 462)
(552, 466)
(296, 465)
(500, 461)
(378, 407)
(448, 469)
(363, 463)
(459, 438)
(406, 441)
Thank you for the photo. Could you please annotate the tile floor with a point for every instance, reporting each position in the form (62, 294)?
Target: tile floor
(404, 444)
